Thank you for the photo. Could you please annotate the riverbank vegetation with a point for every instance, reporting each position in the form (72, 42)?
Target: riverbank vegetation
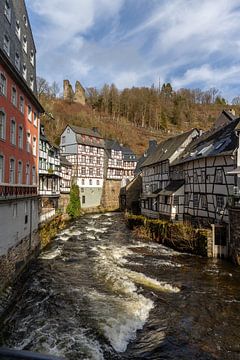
(180, 236)
(74, 206)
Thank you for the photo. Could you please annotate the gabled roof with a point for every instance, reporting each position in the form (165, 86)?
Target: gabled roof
(172, 187)
(151, 148)
(217, 141)
(128, 154)
(65, 162)
(85, 131)
(167, 148)
(112, 145)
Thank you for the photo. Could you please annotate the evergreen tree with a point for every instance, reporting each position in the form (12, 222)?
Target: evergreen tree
(74, 206)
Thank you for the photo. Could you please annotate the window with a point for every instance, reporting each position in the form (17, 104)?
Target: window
(14, 96)
(34, 176)
(63, 139)
(83, 199)
(2, 125)
(25, 20)
(220, 201)
(20, 137)
(98, 172)
(1, 169)
(24, 71)
(19, 172)
(176, 200)
(98, 182)
(32, 57)
(219, 176)
(90, 181)
(18, 30)
(25, 43)
(84, 159)
(34, 146)
(12, 171)
(83, 171)
(29, 113)
(203, 176)
(82, 190)
(28, 142)
(187, 198)
(6, 44)
(21, 104)
(31, 82)
(7, 10)
(17, 60)
(204, 201)
(3, 85)
(83, 181)
(35, 119)
(98, 161)
(28, 174)
(13, 132)
(195, 200)
(90, 171)
(90, 160)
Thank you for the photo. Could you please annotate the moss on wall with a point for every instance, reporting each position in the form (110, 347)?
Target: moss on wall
(49, 230)
(181, 236)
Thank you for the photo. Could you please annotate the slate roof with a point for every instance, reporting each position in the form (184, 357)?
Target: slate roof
(85, 131)
(166, 149)
(112, 145)
(172, 187)
(217, 141)
(65, 162)
(128, 154)
(151, 148)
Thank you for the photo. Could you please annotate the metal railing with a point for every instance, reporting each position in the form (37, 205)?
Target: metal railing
(14, 191)
(9, 354)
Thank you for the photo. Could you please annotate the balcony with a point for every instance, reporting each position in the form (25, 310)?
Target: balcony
(51, 193)
(8, 192)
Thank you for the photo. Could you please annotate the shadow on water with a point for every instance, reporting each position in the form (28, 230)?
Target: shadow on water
(98, 293)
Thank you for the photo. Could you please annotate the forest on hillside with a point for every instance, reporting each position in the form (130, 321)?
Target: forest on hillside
(154, 112)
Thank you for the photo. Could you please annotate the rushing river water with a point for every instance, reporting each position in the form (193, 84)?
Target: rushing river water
(98, 293)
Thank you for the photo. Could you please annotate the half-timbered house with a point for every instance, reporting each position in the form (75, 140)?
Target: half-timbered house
(157, 191)
(84, 148)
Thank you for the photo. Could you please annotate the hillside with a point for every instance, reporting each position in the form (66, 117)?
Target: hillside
(120, 128)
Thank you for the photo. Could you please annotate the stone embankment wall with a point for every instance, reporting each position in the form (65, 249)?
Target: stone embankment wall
(234, 242)
(110, 195)
(63, 202)
(17, 258)
(179, 236)
(19, 255)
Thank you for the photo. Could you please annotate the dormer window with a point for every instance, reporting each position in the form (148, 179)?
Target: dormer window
(32, 57)
(31, 82)
(25, 43)
(7, 10)
(18, 29)
(17, 60)
(25, 71)
(6, 44)
(25, 20)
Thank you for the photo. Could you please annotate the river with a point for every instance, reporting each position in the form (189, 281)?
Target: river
(99, 293)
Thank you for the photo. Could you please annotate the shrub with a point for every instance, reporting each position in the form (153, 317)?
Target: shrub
(74, 206)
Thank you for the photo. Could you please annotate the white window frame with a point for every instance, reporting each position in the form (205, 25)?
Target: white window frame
(20, 137)
(14, 96)
(13, 132)
(17, 61)
(3, 127)
(34, 146)
(24, 43)
(12, 171)
(21, 104)
(20, 172)
(3, 84)
(18, 29)
(24, 71)
(30, 113)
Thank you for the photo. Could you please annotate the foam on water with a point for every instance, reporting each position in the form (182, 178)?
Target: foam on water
(127, 310)
(51, 254)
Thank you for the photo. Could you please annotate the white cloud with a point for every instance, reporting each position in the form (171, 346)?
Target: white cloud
(184, 41)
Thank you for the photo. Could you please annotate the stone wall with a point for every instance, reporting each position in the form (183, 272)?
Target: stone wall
(110, 195)
(17, 257)
(234, 241)
(63, 202)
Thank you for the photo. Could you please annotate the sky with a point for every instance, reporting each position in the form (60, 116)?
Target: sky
(189, 43)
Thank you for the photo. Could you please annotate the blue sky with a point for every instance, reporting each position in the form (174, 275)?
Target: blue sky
(190, 43)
